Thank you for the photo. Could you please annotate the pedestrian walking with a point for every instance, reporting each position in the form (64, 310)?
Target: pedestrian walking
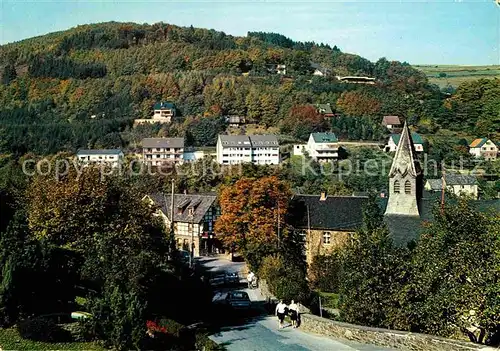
(280, 313)
(294, 313)
(250, 278)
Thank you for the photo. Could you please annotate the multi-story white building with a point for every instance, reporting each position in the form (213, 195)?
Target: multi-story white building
(112, 157)
(258, 149)
(162, 151)
(321, 147)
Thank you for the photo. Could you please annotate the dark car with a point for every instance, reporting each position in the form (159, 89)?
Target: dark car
(238, 300)
(232, 278)
(217, 279)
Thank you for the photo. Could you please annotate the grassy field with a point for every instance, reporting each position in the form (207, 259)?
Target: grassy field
(10, 340)
(455, 75)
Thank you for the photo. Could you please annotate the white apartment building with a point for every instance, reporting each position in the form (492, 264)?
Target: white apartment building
(321, 147)
(162, 151)
(258, 149)
(112, 157)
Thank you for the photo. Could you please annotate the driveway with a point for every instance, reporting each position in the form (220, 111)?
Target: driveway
(261, 333)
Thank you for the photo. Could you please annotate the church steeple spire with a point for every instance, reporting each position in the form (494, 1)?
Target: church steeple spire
(405, 159)
(405, 178)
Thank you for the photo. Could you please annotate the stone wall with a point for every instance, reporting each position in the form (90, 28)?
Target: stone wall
(315, 245)
(383, 337)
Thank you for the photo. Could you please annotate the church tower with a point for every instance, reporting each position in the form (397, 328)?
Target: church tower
(405, 179)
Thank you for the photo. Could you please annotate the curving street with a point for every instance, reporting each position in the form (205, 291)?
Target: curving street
(261, 333)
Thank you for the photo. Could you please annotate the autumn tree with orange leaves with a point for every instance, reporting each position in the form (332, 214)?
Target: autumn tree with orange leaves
(250, 209)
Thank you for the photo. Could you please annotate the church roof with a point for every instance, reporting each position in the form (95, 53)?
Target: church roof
(340, 213)
(405, 160)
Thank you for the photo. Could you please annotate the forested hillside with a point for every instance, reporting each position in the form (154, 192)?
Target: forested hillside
(83, 87)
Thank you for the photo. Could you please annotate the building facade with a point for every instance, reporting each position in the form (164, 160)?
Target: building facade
(112, 157)
(194, 219)
(163, 112)
(392, 143)
(257, 149)
(321, 147)
(162, 151)
(485, 148)
(457, 184)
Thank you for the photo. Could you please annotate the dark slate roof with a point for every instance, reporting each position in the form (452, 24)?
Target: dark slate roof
(164, 105)
(459, 179)
(235, 140)
(264, 140)
(200, 202)
(404, 229)
(324, 137)
(99, 152)
(163, 142)
(334, 213)
(435, 184)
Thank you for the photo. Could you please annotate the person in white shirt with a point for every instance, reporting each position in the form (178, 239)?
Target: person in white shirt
(250, 278)
(294, 313)
(280, 312)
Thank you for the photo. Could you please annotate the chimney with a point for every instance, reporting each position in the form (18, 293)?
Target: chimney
(323, 196)
(185, 191)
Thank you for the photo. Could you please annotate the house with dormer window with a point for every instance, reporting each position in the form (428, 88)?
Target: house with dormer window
(194, 218)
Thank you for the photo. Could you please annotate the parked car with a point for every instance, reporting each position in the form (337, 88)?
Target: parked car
(184, 256)
(238, 300)
(232, 278)
(217, 280)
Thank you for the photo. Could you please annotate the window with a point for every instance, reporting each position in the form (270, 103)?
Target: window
(396, 186)
(326, 238)
(407, 187)
(191, 211)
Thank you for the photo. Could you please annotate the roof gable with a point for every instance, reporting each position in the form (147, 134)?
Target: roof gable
(163, 142)
(391, 120)
(99, 152)
(166, 105)
(324, 137)
(200, 203)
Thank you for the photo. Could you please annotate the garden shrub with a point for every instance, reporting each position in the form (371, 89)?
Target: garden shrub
(41, 329)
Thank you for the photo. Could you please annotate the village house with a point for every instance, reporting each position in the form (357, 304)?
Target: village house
(112, 157)
(325, 110)
(194, 217)
(319, 70)
(393, 142)
(162, 151)
(257, 149)
(393, 123)
(328, 222)
(321, 147)
(458, 184)
(276, 68)
(235, 121)
(485, 148)
(163, 112)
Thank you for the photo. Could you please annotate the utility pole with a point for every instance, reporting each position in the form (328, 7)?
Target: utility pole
(191, 256)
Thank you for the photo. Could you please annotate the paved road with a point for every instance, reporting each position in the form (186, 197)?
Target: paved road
(262, 334)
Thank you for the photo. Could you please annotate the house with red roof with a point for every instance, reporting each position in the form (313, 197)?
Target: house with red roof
(485, 148)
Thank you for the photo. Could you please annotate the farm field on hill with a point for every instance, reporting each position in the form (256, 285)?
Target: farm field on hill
(444, 75)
